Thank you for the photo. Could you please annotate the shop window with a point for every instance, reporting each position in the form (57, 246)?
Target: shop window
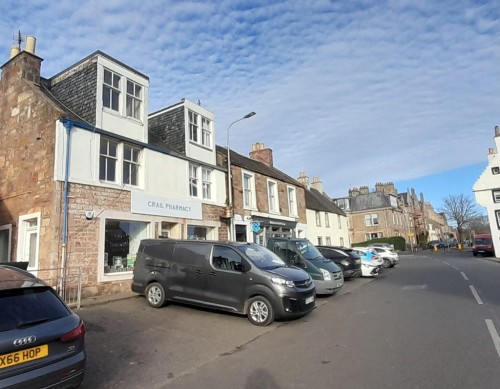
(196, 233)
(122, 240)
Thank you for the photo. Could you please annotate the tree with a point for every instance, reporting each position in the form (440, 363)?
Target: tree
(461, 210)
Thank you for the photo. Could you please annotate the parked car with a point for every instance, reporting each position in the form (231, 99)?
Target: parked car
(369, 262)
(483, 244)
(345, 258)
(435, 243)
(300, 252)
(383, 245)
(238, 277)
(371, 254)
(41, 340)
(389, 256)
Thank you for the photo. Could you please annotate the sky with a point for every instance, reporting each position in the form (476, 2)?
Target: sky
(353, 92)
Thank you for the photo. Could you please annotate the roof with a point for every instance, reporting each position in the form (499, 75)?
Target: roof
(374, 200)
(258, 167)
(319, 202)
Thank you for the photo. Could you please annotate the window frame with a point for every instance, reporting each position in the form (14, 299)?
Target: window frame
(193, 180)
(193, 118)
(136, 100)
(292, 200)
(272, 196)
(114, 90)
(108, 158)
(206, 132)
(495, 193)
(206, 183)
(133, 166)
(318, 219)
(248, 194)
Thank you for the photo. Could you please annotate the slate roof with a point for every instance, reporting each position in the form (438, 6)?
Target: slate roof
(319, 202)
(258, 167)
(374, 200)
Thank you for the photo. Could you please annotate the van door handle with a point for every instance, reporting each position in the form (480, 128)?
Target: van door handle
(212, 274)
(198, 271)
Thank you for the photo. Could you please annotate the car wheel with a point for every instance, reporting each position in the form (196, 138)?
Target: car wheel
(260, 311)
(155, 294)
(474, 254)
(387, 263)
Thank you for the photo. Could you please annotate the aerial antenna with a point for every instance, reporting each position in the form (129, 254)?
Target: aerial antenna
(18, 39)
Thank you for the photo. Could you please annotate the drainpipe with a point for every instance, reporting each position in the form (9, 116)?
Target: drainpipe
(68, 125)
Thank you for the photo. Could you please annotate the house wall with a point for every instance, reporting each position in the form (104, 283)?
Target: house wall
(27, 138)
(338, 230)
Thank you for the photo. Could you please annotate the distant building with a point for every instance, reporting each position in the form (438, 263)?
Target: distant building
(487, 191)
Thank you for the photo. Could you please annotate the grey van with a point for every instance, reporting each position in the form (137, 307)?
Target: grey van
(238, 277)
(327, 276)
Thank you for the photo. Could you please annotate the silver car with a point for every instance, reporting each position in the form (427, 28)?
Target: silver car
(41, 339)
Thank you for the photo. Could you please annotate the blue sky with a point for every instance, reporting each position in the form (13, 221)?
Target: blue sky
(352, 92)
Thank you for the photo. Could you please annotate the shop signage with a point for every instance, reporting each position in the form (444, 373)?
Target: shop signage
(264, 221)
(163, 206)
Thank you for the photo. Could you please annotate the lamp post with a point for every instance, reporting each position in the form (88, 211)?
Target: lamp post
(230, 211)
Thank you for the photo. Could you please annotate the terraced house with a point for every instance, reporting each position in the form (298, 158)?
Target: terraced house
(84, 177)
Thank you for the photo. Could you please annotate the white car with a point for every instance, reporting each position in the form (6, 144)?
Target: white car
(390, 257)
(371, 254)
(370, 262)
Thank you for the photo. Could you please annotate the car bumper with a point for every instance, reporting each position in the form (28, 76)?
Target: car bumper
(67, 373)
(296, 305)
(352, 273)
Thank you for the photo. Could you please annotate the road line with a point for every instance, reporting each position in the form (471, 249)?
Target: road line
(464, 276)
(454, 267)
(494, 335)
(446, 263)
(476, 295)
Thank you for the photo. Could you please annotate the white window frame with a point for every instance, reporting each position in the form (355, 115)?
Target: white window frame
(327, 220)
(133, 101)
(206, 177)
(193, 118)
(318, 219)
(370, 220)
(112, 88)
(108, 158)
(193, 180)
(249, 196)
(292, 200)
(496, 195)
(320, 241)
(328, 241)
(206, 132)
(132, 164)
(24, 236)
(272, 196)
(339, 218)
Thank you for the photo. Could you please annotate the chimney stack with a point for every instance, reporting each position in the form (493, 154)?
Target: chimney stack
(262, 154)
(24, 64)
(303, 179)
(317, 184)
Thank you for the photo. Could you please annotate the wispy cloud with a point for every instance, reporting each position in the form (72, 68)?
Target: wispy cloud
(352, 92)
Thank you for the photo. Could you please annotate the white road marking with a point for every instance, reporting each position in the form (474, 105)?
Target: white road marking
(454, 267)
(494, 335)
(414, 287)
(446, 263)
(476, 295)
(464, 276)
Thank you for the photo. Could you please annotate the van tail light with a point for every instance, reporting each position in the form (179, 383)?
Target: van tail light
(75, 334)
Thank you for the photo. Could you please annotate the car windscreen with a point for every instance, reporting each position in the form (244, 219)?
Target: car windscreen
(21, 308)
(262, 257)
(484, 241)
(307, 250)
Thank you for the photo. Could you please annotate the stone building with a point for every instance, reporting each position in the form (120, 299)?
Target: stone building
(80, 182)
(327, 224)
(267, 202)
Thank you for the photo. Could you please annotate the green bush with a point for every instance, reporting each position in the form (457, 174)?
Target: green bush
(398, 242)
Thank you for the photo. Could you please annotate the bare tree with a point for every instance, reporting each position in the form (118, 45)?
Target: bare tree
(461, 210)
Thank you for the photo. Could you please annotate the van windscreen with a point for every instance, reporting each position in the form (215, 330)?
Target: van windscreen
(262, 257)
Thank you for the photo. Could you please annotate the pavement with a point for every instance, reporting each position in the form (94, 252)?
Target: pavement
(108, 298)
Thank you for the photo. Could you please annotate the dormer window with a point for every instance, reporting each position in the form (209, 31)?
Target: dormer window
(134, 100)
(200, 129)
(111, 90)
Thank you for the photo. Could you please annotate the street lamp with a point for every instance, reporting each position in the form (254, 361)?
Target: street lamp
(229, 210)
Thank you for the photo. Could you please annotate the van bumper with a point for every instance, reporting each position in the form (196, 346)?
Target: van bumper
(327, 287)
(296, 304)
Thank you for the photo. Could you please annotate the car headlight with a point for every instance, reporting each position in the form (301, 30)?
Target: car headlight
(344, 262)
(326, 274)
(282, 282)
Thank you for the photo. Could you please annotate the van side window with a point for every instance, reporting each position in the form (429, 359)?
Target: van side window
(226, 258)
(160, 249)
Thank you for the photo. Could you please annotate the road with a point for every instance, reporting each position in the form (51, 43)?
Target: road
(432, 322)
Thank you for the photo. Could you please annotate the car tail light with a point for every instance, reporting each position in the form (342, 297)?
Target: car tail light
(78, 332)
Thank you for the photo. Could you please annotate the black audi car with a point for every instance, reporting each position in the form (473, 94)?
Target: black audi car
(345, 258)
(41, 339)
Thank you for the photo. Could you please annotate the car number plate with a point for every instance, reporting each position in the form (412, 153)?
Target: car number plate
(339, 284)
(23, 356)
(309, 300)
